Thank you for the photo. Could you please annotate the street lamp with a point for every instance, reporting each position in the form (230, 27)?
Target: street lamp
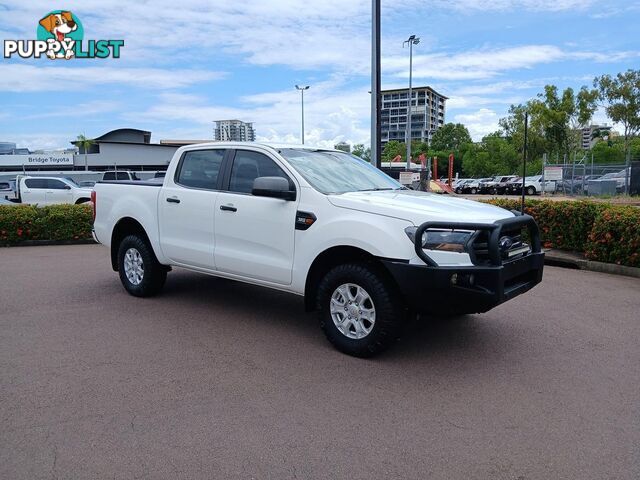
(302, 89)
(412, 40)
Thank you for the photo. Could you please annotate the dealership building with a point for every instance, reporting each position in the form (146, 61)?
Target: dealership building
(121, 149)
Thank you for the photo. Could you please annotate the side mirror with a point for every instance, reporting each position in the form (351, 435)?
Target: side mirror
(274, 187)
(67, 187)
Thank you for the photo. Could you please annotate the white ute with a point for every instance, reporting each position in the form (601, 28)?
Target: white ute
(50, 191)
(362, 250)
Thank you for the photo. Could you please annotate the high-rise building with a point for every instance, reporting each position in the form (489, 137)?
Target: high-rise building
(591, 134)
(234, 131)
(344, 146)
(427, 114)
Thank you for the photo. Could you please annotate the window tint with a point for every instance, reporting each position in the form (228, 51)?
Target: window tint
(123, 176)
(109, 176)
(200, 168)
(55, 184)
(36, 183)
(247, 166)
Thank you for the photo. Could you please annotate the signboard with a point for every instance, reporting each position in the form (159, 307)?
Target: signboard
(407, 178)
(37, 160)
(552, 173)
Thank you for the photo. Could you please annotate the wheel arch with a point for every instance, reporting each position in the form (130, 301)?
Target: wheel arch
(124, 227)
(330, 258)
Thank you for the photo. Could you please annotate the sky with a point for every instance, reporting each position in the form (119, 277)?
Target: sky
(188, 63)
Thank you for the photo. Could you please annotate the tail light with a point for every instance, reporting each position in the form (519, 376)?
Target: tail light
(93, 203)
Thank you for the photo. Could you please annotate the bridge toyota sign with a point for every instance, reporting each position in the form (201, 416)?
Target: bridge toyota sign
(37, 160)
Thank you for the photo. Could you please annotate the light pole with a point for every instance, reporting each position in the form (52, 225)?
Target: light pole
(375, 82)
(412, 40)
(302, 89)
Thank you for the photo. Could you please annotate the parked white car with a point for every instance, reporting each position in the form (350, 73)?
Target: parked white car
(120, 175)
(532, 185)
(51, 190)
(358, 246)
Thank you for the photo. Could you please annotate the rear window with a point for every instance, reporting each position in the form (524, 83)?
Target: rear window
(200, 169)
(36, 183)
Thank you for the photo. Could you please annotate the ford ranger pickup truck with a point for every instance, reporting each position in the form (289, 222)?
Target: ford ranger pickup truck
(362, 250)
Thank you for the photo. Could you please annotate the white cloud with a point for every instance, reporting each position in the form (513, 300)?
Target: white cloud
(498, 5)
(479, 123)
(18, 77)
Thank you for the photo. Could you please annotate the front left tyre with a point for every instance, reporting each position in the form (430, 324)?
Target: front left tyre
(360, 311)
(140, 272)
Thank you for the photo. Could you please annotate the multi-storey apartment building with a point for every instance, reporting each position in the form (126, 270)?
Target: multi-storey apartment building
(427, 114)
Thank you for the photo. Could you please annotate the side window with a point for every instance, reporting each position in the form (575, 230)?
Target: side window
(200, 168)
(35, 183)
(55, 184)
(123, 176)
(109, 176)
(247, 166)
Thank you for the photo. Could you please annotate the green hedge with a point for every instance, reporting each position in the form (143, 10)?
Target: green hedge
(601, 231)
(20, 223)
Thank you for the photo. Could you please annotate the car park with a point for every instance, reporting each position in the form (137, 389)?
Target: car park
(532, 185)
(50, 191)
(497, 185)
(360, 248)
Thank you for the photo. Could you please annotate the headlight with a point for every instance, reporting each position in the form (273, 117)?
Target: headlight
(448, 240)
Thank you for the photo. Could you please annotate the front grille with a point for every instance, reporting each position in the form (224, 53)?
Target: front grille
(480, 249)
(511, 244)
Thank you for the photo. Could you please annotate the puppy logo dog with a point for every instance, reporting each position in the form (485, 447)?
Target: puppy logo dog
(60, 25)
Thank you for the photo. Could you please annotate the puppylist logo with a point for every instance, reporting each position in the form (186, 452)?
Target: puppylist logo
(60, 36)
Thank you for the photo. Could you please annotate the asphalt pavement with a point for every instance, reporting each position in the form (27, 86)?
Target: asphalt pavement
(216, 379)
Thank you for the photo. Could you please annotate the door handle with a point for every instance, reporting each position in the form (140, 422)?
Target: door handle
(173, 200)
(228, 208)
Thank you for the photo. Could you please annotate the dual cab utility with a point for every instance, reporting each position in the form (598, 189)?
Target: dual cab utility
(50, 191)
(360, 248)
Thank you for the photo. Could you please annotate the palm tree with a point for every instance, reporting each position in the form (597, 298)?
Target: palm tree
(85, 143)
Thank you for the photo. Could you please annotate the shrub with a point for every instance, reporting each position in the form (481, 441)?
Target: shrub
(615, 237)
(603, 232)
(20, 223)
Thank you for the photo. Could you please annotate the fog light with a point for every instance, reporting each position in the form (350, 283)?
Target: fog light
(471, 279)
(454, 279)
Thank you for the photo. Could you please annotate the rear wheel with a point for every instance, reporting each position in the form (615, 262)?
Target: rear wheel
(474, 190)
(531, 190)
(140, 272)
(360, 312)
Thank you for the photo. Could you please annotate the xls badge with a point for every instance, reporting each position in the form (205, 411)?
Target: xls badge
(60, 36)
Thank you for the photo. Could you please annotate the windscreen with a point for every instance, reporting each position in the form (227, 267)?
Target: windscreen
(336, 172)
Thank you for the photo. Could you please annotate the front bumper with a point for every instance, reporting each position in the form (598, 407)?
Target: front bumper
(431, 288)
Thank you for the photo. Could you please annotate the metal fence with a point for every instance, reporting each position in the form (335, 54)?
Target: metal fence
(580, 175)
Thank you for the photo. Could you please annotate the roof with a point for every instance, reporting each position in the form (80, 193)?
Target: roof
(272, 145)
(426, 87)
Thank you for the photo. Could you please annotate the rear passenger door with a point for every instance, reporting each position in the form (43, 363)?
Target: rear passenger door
(254, 235)
(34, 190)
(186, 208)
(58, 192)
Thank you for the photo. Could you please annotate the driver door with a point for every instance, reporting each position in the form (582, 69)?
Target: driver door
(254, 235)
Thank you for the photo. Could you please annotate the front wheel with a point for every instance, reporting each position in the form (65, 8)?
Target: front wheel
(140, 272)
(360, 311)
(531, 190)
(474, 190)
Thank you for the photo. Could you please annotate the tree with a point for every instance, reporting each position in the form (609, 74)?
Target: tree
(360, 151)
(621, 96)
(392, 149)
(561, 116)
(450, 137)
(85, 144)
